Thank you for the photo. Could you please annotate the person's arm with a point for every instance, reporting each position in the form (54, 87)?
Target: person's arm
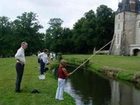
(65, 72)
(39, 55)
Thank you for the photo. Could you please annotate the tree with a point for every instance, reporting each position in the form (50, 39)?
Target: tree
(53, 34)
(5, 37)
(84, 33)
(93, 30)
(58, 39)
(66, 41)
(26, 28)
(55, 22)
(105, 25)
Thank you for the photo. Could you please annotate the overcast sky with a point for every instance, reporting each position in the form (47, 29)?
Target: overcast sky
(68, 10)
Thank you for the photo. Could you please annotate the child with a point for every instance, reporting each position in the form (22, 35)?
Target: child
(62, 75)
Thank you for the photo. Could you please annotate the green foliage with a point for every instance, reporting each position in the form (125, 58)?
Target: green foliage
(55, 22)
(24, 28)
(57, 38)
(105, 25)
(93, 30)
(6, 38)
(27, 29)
(123, 75)
(53, 34)
(89, 32)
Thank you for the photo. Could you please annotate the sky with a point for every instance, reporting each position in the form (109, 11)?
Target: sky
(67, 10)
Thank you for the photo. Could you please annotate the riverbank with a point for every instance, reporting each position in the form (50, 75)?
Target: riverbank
(30, 81)
(118, 67)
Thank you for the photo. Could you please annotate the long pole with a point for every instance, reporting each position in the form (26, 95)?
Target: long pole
(91, 56)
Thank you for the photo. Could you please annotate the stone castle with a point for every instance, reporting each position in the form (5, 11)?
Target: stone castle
(126, 39)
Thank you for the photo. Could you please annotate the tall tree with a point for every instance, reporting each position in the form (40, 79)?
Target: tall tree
(84, 33)
(53, 34)
(58, 39)
(5, 37)
(105, 25)
(27, 29)
(66, 41)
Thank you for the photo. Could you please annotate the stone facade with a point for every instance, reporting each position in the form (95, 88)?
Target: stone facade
(126, 39)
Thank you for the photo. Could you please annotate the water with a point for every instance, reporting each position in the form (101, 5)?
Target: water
(88, 88)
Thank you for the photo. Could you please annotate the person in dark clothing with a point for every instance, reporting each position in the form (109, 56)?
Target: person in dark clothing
(43, 61)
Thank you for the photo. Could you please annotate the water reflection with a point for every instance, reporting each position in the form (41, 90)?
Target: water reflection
(123, 94)
(77, 97)
(88, 88)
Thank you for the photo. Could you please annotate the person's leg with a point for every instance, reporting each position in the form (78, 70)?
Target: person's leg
(57, 90)
(60, 89)
(42, 66)
(62, 85)
(19, 71)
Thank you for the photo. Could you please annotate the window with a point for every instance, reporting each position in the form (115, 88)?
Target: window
(118, 38)
(118, 26)
(118, 16)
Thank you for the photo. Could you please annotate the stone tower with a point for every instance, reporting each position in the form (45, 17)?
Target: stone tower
(126, 39)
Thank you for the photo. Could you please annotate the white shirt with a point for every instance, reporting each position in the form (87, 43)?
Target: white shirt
(20, 55)
(51, 55)
(43, 56)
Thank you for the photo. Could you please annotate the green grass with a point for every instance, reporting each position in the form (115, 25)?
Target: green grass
(128, 66)
(30, 81)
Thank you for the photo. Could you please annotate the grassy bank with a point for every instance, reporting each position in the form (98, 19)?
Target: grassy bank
(30, 81)
(122, 67)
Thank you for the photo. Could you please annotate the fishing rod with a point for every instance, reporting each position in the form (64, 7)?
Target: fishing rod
(91, 56)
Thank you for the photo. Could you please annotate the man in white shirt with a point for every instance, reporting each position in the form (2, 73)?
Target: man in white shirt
(20, 57)
(44, 60)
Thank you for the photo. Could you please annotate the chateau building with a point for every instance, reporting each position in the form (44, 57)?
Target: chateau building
(126, 39)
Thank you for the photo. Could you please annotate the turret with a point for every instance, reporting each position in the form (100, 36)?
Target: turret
(129, 5)
(132, 5)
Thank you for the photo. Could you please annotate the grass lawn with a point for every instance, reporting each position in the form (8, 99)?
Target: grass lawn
(127, 66)
(30, 81)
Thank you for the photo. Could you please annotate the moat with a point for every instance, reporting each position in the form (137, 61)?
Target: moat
(88, 88)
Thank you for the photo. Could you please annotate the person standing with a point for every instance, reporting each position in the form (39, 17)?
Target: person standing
(43, 60)
(20, 58)
(62, 75)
